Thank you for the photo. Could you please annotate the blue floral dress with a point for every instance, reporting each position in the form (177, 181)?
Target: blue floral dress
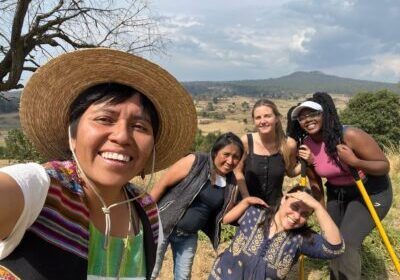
(253, 256)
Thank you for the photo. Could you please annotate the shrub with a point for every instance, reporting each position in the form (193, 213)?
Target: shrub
(19, 148)
(204, 143)
(377, 114)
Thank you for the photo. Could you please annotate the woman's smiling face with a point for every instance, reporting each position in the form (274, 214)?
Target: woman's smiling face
(264, 119)
(310, 120)
(114, 141)
(227, 159)
(293, 213)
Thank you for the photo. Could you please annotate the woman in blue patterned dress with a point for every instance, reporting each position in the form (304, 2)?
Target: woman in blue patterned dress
(269, 242)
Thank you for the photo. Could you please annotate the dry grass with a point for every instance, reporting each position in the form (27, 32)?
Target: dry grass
(234, 122)
(205, 255)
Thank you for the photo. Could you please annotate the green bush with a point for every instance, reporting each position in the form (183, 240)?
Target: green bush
(204, 143)
(227, 233)
(18, 147)
(377, 114)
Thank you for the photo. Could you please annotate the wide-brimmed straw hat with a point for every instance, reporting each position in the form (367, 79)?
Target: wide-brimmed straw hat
(46, 100)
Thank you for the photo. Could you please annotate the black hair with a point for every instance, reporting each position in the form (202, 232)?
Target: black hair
(113, 93)
(293, 128)
(332, 133)
(270, 212)
(224, 140)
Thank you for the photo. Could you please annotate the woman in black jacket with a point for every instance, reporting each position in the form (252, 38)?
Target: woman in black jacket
(193, 195)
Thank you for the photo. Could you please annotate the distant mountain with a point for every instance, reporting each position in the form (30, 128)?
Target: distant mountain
(297, 83)
(9, 102)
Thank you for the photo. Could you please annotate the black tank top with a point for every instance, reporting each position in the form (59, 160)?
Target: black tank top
(264, 174)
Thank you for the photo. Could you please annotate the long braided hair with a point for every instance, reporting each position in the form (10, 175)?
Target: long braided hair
(332, 130)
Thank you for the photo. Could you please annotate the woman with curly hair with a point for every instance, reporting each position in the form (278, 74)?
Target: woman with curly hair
(330, 150)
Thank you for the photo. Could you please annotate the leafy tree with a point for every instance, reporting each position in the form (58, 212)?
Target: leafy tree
(31, 27)
(19, 148)
(245, 106)
(210, 107)
(376, 113)
(204, 143)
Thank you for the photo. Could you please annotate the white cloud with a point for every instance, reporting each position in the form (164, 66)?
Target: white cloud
(266, 38)
(385, 65)
(300, 38)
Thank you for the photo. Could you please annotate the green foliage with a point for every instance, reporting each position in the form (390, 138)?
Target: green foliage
(227, 233)
(376, 113)
(212, 115)
(210, 107)
(245, 106)
(204, 143)
(3, 154)
(19, 148)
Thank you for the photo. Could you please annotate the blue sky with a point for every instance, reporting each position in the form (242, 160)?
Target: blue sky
(259, 39)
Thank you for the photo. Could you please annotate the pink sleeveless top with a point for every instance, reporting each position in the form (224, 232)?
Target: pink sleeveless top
(326, 167)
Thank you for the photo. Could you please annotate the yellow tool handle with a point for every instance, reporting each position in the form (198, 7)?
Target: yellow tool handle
(378, 224)
(303, 183)
(301, 267)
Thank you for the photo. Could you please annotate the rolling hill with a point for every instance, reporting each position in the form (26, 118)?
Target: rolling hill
(297, 83)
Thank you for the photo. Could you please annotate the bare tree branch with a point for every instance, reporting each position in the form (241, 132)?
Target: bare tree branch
(31, 69)
(35, 28)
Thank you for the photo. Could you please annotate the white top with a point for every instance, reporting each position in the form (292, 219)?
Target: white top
(34, 183)
(220, 181)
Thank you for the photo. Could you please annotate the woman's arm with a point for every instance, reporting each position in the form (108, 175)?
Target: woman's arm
(329, 230)
(239, 170)
(177, 172)
(236, 212)
(11, 204)
(294, 167)
(316, 185)
(362, 152)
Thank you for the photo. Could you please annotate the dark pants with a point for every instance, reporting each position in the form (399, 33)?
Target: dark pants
(348, 210)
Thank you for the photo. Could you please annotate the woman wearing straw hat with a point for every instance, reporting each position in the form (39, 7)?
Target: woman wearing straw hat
(193, 195)
(331, 150)
(107, 114)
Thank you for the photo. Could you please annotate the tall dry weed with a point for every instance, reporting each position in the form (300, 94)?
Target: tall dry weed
(392, 152)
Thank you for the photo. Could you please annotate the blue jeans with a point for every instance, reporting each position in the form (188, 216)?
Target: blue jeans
(184, 246)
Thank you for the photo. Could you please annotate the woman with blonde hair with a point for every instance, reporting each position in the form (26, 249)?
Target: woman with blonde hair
(267, 157)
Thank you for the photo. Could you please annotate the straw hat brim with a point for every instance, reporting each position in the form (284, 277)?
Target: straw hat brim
(46, 99)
